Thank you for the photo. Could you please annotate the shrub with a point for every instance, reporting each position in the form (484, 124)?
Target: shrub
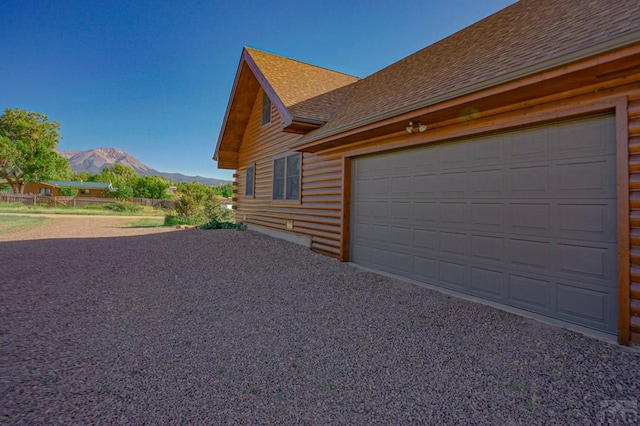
(68, 191)
(214, 224)
(175, 220)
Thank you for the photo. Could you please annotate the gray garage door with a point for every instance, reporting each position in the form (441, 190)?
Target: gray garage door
(525, 218)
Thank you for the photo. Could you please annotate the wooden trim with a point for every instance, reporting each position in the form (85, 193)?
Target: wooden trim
(624, 247)
(345, 225)
(499, 124)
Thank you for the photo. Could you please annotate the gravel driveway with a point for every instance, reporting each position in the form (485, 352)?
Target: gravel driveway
(110, 325)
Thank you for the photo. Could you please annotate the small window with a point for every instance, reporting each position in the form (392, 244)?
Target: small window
(249, 184)
(86, 191)
(266, 109)
(45, 191)
(286, 178)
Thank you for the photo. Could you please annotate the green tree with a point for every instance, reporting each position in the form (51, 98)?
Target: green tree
(225, 190)
(122, 178)
(201, 203)
(81, 177)
(27, 143)
(192, 200)
(68, 191)
(151, 187)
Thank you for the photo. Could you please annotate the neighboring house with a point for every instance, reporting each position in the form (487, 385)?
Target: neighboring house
(85, 189)
(502, 162)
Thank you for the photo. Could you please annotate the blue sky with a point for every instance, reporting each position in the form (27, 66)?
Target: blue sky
(153, 77)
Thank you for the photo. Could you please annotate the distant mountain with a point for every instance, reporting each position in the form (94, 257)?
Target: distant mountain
(94, 160)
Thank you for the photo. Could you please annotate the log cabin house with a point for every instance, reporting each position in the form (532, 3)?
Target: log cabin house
(85, 189)
(502, 162)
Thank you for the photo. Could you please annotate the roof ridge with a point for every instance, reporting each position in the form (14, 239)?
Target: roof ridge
(249, 49)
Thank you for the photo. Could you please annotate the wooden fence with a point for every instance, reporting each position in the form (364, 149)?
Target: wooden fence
(32, 199)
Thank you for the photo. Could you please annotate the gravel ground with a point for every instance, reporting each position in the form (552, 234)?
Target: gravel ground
(157, 326)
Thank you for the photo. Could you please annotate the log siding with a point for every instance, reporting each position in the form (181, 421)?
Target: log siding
(323, 212)
(634, 187)
(317, 214)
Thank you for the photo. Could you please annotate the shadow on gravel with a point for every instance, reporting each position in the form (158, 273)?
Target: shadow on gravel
(236, 327)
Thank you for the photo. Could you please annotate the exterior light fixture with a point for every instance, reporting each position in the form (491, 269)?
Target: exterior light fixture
(415, 124)
(409, 128)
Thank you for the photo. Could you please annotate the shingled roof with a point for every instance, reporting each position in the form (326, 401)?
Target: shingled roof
(308, 92)
(525, 38)
(306, 97)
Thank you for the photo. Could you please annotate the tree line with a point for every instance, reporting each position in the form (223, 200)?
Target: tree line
(27, 154)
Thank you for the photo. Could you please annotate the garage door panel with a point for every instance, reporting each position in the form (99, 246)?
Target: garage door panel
(454, 274)
(583, 138)
(529, 218)
(402, 184)
(490, 150)
(526, 218)
(453, 184)
(488, 282)
(425, 268)
(453, 214)
(401, 211)
(454, 243)
(379, 209)
(425, 239)
(401, 236)
(487, 215)
(487, 247)
(529, 181)
(426, 213)
(584, 260)
(487, 183)
(586, 220)
(527, 292)
(426, 184)
(454, 155)
(380, 258)
(361, 253)
(529, 253)
(588, 178)
(400, 261)
(362, 186)
(582, 304)
(528, 145)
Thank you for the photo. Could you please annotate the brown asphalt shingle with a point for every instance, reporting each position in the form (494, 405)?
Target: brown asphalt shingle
(527, 33)
(307, 91)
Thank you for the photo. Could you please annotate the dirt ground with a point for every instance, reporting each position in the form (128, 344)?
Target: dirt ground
(104, 323)
(78, 226)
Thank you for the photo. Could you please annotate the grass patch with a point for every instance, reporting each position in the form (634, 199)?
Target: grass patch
(146, 222)
(110, 209)
(11, 223)
(175, 220)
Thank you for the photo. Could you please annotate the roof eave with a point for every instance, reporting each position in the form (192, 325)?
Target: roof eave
(302, 125)
(229, 104)
(285, 115)
(319, 138)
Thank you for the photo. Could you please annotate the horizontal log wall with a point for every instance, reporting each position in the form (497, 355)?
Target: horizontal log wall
(317, 215)
(634, 177)
(586, 101)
